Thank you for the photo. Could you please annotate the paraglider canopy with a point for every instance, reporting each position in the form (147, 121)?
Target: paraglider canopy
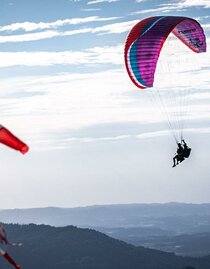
(146, 39)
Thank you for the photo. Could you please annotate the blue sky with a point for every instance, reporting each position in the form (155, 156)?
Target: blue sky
(94, 137)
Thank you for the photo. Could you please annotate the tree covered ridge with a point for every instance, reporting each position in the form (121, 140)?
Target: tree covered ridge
(71, 247)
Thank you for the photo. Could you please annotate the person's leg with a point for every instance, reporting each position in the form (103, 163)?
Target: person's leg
(174, 159)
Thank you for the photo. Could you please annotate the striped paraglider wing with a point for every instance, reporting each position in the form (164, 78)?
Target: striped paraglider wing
(145, 41)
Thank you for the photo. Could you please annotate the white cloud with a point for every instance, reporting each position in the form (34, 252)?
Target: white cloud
(101, 1)
(31, 26)
(73, 101)
(114, 28)
(194, 3)
(69, 101)
(206, 25)
(90, 9)
(178, 6)
(41, 35)
(96, 55)
(202, 18)
(67, 142)
(167, 132)
(164, 9)
(28, 37)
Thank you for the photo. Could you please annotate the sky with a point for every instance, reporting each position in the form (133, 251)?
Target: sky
(94, 137)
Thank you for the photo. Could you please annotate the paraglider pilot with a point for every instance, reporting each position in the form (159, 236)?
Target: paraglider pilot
(183, 151)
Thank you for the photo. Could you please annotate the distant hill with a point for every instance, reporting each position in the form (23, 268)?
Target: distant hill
(194, 245)
(177, 218)
(76, 248)
(157, 226)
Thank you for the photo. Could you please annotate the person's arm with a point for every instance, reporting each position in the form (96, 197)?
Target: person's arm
(184, 143)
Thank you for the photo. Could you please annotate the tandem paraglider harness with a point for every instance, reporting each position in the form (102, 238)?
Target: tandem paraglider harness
(183, 152)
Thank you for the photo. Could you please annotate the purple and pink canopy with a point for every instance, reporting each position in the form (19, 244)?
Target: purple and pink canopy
(145, 41)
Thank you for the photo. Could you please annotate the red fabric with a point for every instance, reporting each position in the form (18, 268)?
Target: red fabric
(3, 235)
(8, 139)
(10, 260)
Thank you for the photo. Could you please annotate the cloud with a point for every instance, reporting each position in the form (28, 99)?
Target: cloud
(70, 101)
(101, 1)
(143, 135)
(202, 18)
(31, 26)
(178, 6)
(164, 9)
(41, 35)
(207, 26)
(73, 101)
(90, 9)
(96, 55)
(194, 3)
(115, 28)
